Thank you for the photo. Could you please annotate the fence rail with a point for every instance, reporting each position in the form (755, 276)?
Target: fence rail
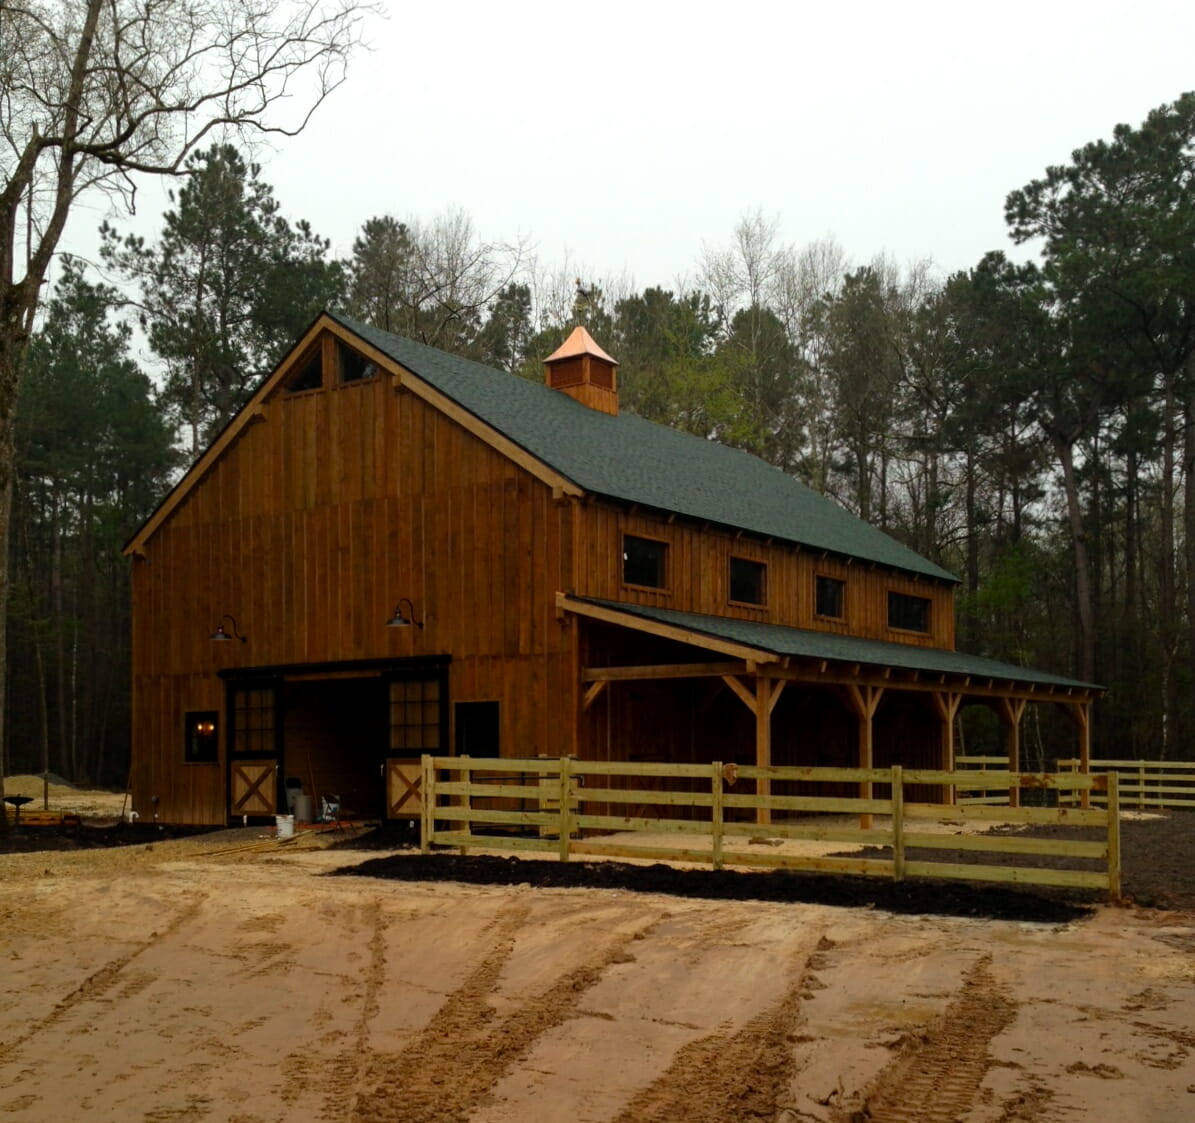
(708, 815)
(1144, 783)
(992, 796)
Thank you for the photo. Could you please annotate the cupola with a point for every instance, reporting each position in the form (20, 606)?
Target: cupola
(582, 370)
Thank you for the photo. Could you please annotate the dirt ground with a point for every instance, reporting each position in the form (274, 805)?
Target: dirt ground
(224, 977)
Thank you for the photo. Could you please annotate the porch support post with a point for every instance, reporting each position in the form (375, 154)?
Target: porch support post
(946, 702)
(1082, 714)
(1011, 711)
(763, 744)
(864, 701)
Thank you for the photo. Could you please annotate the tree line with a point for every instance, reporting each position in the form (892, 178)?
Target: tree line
(1028, 423)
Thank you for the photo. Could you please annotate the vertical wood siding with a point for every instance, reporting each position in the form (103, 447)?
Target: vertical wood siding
(698, 569)
(308, 531)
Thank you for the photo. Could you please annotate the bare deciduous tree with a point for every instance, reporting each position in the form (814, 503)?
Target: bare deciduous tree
(94, 93)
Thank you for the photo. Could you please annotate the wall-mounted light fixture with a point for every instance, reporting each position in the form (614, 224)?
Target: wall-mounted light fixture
(221, 634)
(399, 620)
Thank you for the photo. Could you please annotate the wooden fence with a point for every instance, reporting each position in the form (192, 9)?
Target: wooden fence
(1144, 783)
(992, 796)
(708, 813)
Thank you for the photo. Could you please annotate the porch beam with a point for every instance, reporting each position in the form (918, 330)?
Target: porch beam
(592, 694)
(662, 670)
(666, 631)
(745, 696)
(881, 677)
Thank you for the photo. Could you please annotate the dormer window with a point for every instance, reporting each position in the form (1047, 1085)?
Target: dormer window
(644, 561)
(830, 598)
(908, 613)
(748, 581)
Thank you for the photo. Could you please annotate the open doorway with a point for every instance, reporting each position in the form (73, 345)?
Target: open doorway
(334, 740)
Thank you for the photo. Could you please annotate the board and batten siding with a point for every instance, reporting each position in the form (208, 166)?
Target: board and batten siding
(308, 530)
(698, 567)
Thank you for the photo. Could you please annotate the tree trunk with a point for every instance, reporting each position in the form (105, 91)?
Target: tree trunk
(1084, 610)
(1189, 500)
(9, 368)
(1168, 592)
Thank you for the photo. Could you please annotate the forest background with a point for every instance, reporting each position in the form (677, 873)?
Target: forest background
(1028, 424)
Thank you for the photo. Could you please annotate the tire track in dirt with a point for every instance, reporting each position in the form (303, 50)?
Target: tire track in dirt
(348, 1067)
(465, 1050)
(97, 985)
(727, 1077)
(937, 1078)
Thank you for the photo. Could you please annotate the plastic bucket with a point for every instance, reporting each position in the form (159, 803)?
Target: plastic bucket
(286, 825)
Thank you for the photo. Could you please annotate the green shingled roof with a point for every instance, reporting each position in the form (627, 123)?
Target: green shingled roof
(627, 458)
(844, 649)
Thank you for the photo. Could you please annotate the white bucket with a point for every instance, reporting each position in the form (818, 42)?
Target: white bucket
(286, 825)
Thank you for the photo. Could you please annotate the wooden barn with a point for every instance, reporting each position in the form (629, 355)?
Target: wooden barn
(392, 551)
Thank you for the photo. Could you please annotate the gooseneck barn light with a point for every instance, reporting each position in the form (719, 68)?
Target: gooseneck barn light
(220, 634)
(399, 619)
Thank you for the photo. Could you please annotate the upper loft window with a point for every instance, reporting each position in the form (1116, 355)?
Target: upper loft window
(908, 613)
(644, 561)
(353, 366)
(830, 597)
(748, 581)
(309, 375)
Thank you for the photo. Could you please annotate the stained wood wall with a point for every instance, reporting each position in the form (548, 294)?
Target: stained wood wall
(308, 531)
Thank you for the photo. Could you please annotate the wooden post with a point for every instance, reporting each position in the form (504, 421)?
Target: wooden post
(761, 703)
(1011, 712)
(1113, 836)
(466, 799)
(946, 702)
(716, 791)
(763, 744)
(566, 806)
(864, 701)
(1082, 712)
(898, 823)
(427, 821)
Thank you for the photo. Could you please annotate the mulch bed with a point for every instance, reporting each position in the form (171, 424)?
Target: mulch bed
(91, 836)
(1157, 865)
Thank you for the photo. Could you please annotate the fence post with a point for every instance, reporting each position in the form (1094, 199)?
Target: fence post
(427, 821)
(466, 800)
(1113, 836)
(898, 823)
(716, 812)
(1141, 785)
(566, 805)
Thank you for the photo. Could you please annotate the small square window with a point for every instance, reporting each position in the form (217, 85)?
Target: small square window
(201, 743)
(748, 581)
(643, 561)
(477, 729)
(830, 597)
(908, 613)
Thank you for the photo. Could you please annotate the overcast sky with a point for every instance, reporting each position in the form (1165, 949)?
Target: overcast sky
(625, 136)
